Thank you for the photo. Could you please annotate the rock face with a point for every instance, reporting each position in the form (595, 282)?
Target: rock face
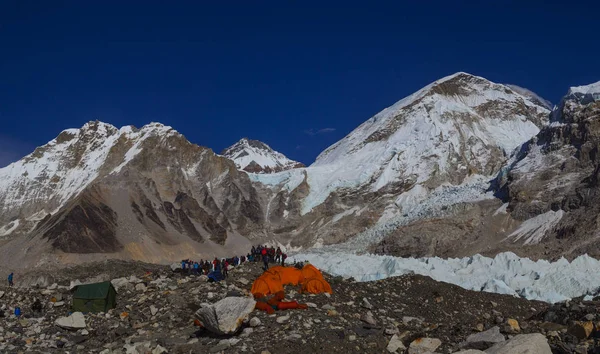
(227, 315)
(257, 157)
(552, 183)
(523, 343)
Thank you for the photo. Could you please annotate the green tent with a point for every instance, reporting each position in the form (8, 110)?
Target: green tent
(98, 297)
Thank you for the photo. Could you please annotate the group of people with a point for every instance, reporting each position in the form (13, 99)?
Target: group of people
(206, 266)
(267, 255)
(257, 253)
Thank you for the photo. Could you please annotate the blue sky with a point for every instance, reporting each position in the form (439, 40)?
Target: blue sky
(298, 76)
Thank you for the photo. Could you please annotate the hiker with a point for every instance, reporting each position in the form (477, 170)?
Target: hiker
(10, 279)
(183, 266)
(225, 269)
(278, 255)
(283, 257)
(196, 268)
(265, 259)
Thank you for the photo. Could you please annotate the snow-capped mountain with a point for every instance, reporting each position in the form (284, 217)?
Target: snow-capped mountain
(135, 193)
(257, 157)
(411, 180)
(455, 128)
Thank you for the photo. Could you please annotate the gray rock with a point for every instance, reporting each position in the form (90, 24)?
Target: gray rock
(255, 322)
(395, 344)
(424, 345)
(327, 307)
(366, 304)
(470, 351)
(484, 340)
(153, 310)
(283, 319)
(227, 315)
(159, 350)
(75, 321)
(246, 332)
(368, 318)
(140, 287)
(523, 343)
(224, 344)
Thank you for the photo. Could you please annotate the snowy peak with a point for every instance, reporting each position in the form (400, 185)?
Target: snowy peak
(257, 157)
(585, 94)
(46, 179)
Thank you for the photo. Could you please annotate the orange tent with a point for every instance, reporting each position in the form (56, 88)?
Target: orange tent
(310, 271)
(288, 275)
(267, 283)
(316, 286)
(275, 278)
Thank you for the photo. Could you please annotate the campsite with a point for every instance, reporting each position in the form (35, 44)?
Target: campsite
(157, 311)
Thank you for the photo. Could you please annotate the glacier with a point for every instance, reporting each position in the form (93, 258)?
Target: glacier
(506, 273)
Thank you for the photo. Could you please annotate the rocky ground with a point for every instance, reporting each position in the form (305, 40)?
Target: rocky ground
(156, 312)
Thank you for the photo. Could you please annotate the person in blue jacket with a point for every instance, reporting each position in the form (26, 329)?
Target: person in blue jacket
(10, 279)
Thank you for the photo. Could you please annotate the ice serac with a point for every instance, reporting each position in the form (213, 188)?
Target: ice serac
(552, 184)
(257, 157)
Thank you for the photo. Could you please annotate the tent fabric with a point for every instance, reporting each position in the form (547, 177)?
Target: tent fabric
(216, 276)
(267, 283)
(310, 271)
(273, 280)
(316, 286)
(288, 275)
(97, 297)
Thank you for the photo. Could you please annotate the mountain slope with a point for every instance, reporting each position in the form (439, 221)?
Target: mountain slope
(553, 182)
(257, 157)
(442, 143)
(145, 194)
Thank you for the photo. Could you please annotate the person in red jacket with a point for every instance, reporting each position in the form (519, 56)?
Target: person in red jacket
(225, 268)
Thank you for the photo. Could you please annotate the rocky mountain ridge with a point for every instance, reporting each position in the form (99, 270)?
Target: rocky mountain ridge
(413, 181)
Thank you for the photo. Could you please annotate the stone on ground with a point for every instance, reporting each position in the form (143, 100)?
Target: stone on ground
(523, 343)
(395, 344)
(424, 345)
(226, 316)
(581, 330)
(484, 340)
(75, 321)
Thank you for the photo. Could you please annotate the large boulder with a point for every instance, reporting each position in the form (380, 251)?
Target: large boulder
(75, 321)
(226, 316)
(521, 344)
(483, 340)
